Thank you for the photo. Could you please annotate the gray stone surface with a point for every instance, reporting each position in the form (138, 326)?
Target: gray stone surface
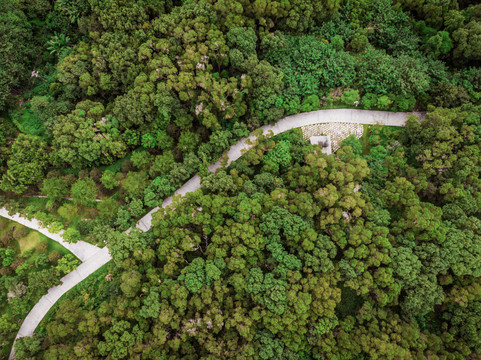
(324, 141)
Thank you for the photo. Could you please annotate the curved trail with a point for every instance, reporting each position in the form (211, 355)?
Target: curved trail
(353, 116)
(81, 249)
(93, 260)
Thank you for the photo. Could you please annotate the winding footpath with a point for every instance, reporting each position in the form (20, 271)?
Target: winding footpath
(93, 257)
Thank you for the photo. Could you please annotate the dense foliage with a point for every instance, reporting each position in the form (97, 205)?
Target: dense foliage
(108, 106)
(29, 265)
(293, 254)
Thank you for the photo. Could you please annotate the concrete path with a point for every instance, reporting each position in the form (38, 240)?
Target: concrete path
(81, 249)
(366, 117)
(35, 316)
(94, 258)
(63, 198)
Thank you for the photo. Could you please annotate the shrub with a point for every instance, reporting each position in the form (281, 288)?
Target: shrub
(84, 192)
(350, 97)
(54, 256)
(369, 101)
(157, 190)
(383, 102)
(136, 208)
(188, 141)
(337, 42)
(68, 211)
(359, 43)
(310, 103)
(84, 227)
(135, 183)
(67, 264)
(404, 103)
(123, 219)
(6, 238)
(108, 208)
(149, 141)
(71, 235)
(96, 174)
(354, 143)
(127, 166)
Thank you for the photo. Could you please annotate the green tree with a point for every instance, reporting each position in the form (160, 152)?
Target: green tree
(84, 192)
(135, 183)
(110, 179)
(26, 164)
(55, 188)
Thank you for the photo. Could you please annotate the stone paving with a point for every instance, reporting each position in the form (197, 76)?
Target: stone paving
(336, 131)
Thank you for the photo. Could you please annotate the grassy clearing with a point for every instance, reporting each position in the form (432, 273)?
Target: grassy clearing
(29, 242)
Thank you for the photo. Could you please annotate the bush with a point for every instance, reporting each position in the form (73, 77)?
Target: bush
(123, 219)
(67, 264)
(127, 166)
(292, 105)
(149, 141)
(350, 97)
(354, 143)
(131, 137)
(84, 227)
(157, 190)
(337, 42)
(369, 101)
(188, 141)
(110, 180)
(68, 211)
(384, 102)
(108, 208)
(162, 165)
(54, 256)
(310, 103)
(6, 238)
(84, 192)
(96, 174)
(41, 247)
(135, 183)
(136, 208)
(71, 235)
(404, 103)
(359, 43)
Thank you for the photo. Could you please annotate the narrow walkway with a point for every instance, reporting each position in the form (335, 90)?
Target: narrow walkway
(81, 249)
(101, 257)
(35, 316)
(63, 198)
(365, 117)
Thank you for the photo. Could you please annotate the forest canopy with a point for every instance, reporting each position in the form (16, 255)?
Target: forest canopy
(108, 106)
